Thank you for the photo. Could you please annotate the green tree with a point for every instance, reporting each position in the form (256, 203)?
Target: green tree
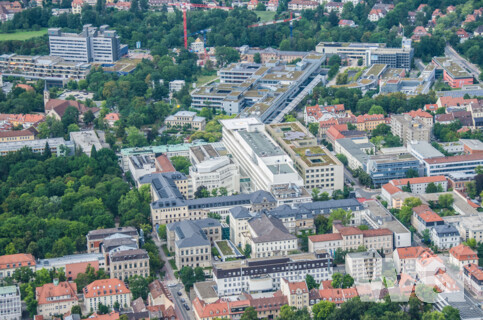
(451, 313)
(337, 280)
(102, 309)
(135, 138)
(223, 191)
(412, 202)
(202, 192)
(342, 159)
(426, 236)
(431, 188)
(322, 310)
(446, 201)
(247, 251)
(257, 58)
(412, 173)
(375, 109)
(162, 232)
(471, 243)
(249, 314)
(314, 128)
(322, 224)
(139, 287)
(76, 310)
(71, 116)
(341, 215)
(88, 117)
(311, 283)
(181, 164)
(315, 194)
(226, 55)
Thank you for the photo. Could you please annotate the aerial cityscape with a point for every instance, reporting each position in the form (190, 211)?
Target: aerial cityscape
(241, 159)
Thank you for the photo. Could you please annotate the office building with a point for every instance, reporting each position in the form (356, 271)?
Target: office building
(54, 299)
(141, 165)
(10, 303)
(186, 118)
(11, 262)
(423, 150)
(57, 146)
(237, 73)
(91, 45)
(262, 162)
(364, 265)
(453, 74)
(371, 53)
(107, 292)
(356, 151)
(212, 170)
(73, 264)
(95, 238)
(410, 129)
(169, 205)
(54, 69)
(465, 164)
(86, 140)
(315, 164)
(383, 168)
(265, 274)
(124, 264)
(191, 241)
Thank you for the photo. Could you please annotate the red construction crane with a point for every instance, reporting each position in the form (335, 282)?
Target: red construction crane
(184, 6)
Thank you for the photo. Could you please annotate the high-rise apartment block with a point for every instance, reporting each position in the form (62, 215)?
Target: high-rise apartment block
(91, 45)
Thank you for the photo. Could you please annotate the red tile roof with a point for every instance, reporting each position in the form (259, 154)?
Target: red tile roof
(337, 296)
(17, 133)
(50, 290)
(391, 189)
(410, 252)
(60, 106)
(369, 117)
(461, 158)
(431, 107)
(403, 182)
(430, 216)
(111, 116)
(26, 87)
(326, 237)
(294, 286)
(377, 232)
(463, 253)
(419, 113)
(16, 260)
(475, 271)
(105, 287)
(163, 164)
(349, 231)
(448, 101)
(110, 316)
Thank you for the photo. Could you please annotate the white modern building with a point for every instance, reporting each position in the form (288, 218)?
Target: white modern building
(264, 274)
(212, 170)
(364, 265)
(10, 303)
(446, 165)
(262, 162)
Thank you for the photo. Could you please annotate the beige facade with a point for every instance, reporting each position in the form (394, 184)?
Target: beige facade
(314, 163)
(56, 298)
(128, 263)
(107, 292)
(183, 118)
(199, 256)
(409, 129)
(10, 263)
(297, 293)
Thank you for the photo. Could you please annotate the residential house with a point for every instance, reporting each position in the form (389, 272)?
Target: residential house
(297, 293)
(299, 5)
(334, 6)
(462, 255)
(418, 33)
(107, 292)
(473, 279)
(445, 236)
(425, 218)
(56, 108)
(111, 119)
(55, 299)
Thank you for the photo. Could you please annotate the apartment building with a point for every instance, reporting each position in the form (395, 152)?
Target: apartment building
(326, 207)
(462, 255)
(43, 67)
(91, 45)
(10, 263)
(473, 279)
(364, 265)
(260, 159)
(107, 292)
(419, 185)
(369, 122)
(95, 238)
(424, 116)
(55, 299)
(314, 163)
(268, 237)
(128, 263)
(10, 303)
(212, 170)
(405, 258)
(371, 53)
(191, 241)
(465, 164)
(425, 218)
(290, 194)
(297, 293)
(351, 238)
(265, 274)
(454, 74)
(445, 236)
(186, 118)
(410, 129)
(73, 264)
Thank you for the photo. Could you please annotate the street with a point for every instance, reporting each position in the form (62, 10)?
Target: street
(170, 280)
(450, 52)
(361, 191)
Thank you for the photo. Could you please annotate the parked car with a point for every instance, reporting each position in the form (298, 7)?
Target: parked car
(179, 293)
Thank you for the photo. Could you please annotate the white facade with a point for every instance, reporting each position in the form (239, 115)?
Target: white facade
(445, 236)
(216, 173)
(364, 265)
(10, 304)
(176, 85)
(259, 157)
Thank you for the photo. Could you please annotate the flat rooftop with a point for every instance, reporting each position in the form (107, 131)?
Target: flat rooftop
(473, 144)
(261, 144)
(425, 149)
(314, 156)
(375, 69)
(452, 67)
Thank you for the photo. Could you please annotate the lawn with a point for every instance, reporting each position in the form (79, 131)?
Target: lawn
(22, 35)
(205, 79)
(225, 248)
(265, 15)
(172, 262)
